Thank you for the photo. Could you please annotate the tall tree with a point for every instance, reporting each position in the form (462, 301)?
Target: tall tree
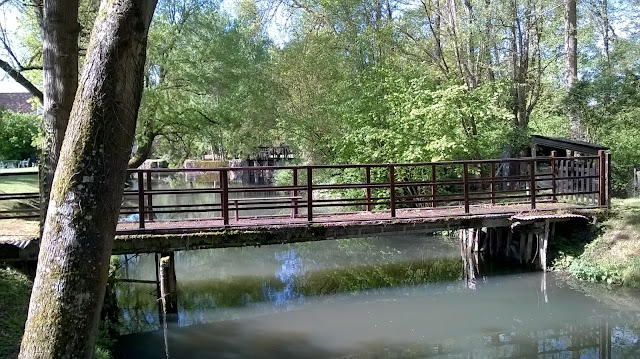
(571, 69)
(87, 189)
(60, 29)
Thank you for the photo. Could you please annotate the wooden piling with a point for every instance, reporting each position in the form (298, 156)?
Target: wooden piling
(529, 249)
(499, 238)
(168, 283)
(523, 243)
(543, 240)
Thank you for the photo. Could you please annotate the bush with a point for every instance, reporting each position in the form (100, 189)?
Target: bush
(17, 132)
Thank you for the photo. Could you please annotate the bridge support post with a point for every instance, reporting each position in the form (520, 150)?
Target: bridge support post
(168, 285)
(480, 246)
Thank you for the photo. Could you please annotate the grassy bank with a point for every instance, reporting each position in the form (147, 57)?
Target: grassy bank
(14, 301)
(606, 252)
(15, 291)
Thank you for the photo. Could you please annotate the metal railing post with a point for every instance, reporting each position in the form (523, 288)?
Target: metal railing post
(492, 186)
(392, 190)
(433, 185)
(368, 190)
(149, 197)
(141, 209)
(295, 192)
(465, 183)
(532, 180)
(309, 194)
(554, 188)
(224, 196)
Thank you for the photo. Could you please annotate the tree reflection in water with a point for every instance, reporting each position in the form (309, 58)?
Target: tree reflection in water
(291, 268)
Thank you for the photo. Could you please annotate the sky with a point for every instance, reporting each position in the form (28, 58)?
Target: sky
(9, 19)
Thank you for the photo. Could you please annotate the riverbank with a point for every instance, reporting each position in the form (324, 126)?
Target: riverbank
(15, 287)
(606, 252)
(14, 302)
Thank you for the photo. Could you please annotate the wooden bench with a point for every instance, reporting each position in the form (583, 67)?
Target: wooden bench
(266, 200)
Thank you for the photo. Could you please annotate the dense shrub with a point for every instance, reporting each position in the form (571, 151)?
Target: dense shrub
(17, 132)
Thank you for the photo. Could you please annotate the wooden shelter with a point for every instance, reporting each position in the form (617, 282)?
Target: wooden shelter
(543, 145)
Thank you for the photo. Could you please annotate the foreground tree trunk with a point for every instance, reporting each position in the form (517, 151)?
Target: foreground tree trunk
(60, 29)
(87, 189)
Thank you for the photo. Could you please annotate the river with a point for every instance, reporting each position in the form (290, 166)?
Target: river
(399, 296)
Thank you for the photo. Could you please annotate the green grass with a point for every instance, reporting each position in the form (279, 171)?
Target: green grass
(608, 252)
(15, 292)
(15, 289)
(19, 183)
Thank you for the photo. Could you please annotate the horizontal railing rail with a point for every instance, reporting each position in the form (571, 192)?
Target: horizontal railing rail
(306, 193)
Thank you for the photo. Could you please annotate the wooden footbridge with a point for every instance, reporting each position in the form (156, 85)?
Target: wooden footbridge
(169, 209)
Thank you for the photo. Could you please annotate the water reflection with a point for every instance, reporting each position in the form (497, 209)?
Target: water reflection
(402, 297)
(290, 270)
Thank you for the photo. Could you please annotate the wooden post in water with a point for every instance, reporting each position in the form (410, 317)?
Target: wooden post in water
(499, 240)
(543, 240)
(529, 250)
(523, 243)
(168, 284)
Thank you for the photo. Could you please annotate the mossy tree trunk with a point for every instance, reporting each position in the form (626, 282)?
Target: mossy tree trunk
(87, 188)
(60, 30)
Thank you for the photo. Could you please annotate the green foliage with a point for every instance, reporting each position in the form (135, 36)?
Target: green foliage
(610, 106)
(17, 132)
(14, 301)
(609, 252)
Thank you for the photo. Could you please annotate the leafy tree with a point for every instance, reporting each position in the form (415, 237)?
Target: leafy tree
(17, 135)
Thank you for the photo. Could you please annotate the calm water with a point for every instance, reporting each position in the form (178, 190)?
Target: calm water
(388, 297)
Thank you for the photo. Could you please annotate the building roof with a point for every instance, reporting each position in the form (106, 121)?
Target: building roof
(567, 144)
(16, 101)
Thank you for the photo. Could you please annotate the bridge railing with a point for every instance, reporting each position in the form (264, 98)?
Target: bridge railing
(307, 193)
(216, 197)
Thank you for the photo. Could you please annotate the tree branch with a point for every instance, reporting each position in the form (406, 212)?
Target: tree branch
(17, 76)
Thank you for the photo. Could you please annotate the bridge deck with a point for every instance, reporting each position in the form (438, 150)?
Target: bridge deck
(412, 215)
